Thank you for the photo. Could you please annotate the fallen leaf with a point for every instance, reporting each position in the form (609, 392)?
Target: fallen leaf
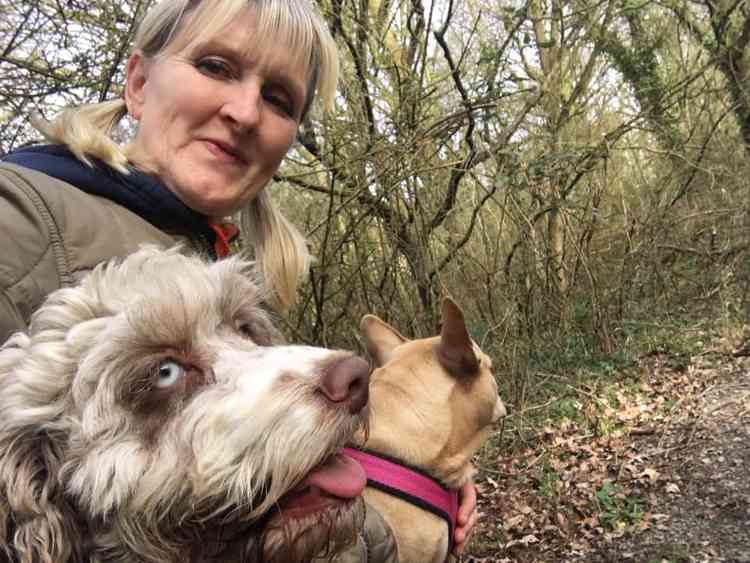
(511, 523)
(672, 488)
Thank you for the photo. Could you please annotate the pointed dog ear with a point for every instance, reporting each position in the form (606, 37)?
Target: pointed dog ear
(455, 351)
(37, 523)
(380, 339)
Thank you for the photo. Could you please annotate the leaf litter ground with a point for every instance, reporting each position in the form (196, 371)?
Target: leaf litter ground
(652, 471)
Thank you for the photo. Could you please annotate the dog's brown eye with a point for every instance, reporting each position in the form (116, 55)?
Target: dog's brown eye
(168, 374)
(246, 330)
(259, 334)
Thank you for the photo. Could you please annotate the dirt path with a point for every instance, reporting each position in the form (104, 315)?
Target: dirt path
(705, 503)
(673, 486)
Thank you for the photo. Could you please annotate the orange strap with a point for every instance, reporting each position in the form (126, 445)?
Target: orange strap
(225, 234)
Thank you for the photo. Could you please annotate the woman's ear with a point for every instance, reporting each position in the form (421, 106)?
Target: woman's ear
(135, 83)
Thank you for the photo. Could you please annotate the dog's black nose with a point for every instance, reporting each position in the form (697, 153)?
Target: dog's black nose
(347, 382)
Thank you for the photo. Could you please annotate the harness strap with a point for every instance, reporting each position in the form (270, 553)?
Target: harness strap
(410, 484)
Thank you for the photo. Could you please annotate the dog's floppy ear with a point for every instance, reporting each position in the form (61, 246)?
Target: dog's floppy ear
(456, 350)
(380, 339)
(36, 521)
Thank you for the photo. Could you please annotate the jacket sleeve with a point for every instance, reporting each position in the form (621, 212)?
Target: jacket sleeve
(29, 248)
(375, 544)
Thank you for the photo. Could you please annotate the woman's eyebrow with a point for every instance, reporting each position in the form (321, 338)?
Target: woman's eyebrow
(218, 46)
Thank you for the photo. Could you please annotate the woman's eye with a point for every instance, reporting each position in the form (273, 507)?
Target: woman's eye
(279, 100)
(168, 373)
(214, 67)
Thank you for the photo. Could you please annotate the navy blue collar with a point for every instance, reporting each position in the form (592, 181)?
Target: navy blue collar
(142, 194)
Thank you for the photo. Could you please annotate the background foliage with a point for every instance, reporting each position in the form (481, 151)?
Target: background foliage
(574, 173)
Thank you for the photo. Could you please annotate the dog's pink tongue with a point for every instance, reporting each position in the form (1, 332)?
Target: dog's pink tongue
(340, 476)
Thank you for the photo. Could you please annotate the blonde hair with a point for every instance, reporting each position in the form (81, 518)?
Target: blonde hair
(174, 25)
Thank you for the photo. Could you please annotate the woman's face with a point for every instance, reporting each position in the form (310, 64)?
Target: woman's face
(215, 122)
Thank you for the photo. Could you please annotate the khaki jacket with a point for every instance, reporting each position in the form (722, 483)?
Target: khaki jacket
(51, 234)
(375, 544)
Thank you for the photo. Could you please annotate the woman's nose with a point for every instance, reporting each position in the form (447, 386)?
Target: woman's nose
(242, 107)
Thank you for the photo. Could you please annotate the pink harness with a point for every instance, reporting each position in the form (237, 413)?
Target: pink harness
(404, 482)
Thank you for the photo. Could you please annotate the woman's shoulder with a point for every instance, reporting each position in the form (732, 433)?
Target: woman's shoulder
(20, 178)
(28, 200)
(57, 233)
(31, 199)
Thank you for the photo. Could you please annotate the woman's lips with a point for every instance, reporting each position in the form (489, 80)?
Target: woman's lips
(225, 152)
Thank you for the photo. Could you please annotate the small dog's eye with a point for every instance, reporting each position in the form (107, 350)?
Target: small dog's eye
(254, 333)
(246, 330)
(168, 373)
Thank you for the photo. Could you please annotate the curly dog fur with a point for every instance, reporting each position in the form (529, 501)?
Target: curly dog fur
(152, 414)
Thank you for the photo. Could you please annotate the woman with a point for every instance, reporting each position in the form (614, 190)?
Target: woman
(218, 89)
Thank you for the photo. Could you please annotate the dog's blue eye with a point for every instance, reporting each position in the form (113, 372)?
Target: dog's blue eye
(169, 373)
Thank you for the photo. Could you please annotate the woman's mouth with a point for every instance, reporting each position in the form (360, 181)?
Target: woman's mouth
(225, 152)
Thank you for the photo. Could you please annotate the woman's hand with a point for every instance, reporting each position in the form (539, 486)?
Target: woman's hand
(467, 517)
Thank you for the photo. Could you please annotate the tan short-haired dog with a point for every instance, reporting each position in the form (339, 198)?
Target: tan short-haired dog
(432, 404)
